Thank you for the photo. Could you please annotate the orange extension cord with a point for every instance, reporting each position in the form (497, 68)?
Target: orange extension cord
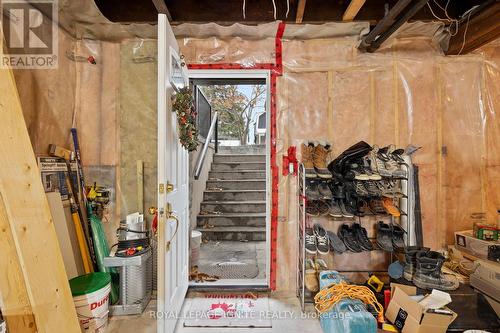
(327, 298)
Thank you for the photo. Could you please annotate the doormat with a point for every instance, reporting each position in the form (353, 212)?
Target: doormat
(231, 270)
(229, 312)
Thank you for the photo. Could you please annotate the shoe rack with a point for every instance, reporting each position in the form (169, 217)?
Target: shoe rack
(357, 264)
(301, 231)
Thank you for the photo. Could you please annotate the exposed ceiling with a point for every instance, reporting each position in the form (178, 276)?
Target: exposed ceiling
(478, 20)
(258, 11)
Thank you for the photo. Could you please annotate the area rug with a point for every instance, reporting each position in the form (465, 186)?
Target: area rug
(228, 311)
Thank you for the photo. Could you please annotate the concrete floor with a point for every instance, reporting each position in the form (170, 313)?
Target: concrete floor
(285, 316)
(227, 251)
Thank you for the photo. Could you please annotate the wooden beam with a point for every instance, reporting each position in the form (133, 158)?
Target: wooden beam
(301, 6)
(162, 8)
(37, 287)
(482, 28)
(353, 10)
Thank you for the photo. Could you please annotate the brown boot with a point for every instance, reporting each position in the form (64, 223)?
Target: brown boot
(311, 280)
(320, 154)
(307, 152)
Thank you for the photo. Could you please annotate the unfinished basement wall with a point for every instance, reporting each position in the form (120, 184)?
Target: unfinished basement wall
(408, 92)
(112, 103)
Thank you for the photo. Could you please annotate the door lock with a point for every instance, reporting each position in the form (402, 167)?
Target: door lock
(169, 214)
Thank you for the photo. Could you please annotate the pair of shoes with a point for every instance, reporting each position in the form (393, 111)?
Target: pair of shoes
(390, 237)
(362, 171)
(317, 189)
(428, 273)
(317, 207)
(392, 159)
(313, 268)
(314, 160)
(316, 240)
(355, 238)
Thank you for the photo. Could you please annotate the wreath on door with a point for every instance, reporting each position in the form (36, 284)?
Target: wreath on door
(183, 105)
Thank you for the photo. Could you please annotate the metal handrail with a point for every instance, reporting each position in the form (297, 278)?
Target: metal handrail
(201, 157)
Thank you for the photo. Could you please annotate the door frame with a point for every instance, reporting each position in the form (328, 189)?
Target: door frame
(263, 74)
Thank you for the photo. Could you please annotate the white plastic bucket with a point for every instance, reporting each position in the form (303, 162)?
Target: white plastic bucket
(195, 247)
(92, 310)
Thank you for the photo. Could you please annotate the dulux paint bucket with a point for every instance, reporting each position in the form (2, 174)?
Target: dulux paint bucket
(91, 298)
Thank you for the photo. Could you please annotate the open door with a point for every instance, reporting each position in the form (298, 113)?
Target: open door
(173, 185)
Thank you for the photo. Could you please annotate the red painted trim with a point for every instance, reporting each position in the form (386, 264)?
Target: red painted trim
(276, 70)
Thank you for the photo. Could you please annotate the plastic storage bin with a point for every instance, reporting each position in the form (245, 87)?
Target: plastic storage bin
(348, 315)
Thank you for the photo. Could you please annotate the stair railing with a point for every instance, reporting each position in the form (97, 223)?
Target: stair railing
(211, 132)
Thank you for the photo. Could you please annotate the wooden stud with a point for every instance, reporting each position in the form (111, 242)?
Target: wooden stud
(140, 186)
(39, 273)
(353, 10)
(301, 6)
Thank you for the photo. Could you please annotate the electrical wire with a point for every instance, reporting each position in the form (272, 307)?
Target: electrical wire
(326, 299)
(274, 8)
(287, 8)
(447, 19)
(465, 32)
(244, 9)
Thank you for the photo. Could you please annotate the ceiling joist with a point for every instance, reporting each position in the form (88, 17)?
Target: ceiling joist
(301, 6)
(162, 8)
(353, 10)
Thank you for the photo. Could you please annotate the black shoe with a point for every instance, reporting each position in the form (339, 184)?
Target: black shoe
(362, 237)
(398, 233)
(347, 236)
(324, 191)
(310, 240)
(384, 236)
(312, 192)
(322, 242)
(336, 244)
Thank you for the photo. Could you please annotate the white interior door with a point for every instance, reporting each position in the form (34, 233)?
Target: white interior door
(173, 191)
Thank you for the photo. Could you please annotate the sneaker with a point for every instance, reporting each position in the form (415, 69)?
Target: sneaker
(411, 261)
(372, 188)
(384, 237)
(334, 210)
(322, 242)
(362, 237)
(310, 240)
(324, 191)
(359, 172)
(307, 159)
(398, 234)
(320, 154)
(376, 207)
(312, 191)
(347, 236)
(428, 274)
(343, 209)
(392, 164)
(336, 244)
(372, 174)
(360, 189)
(376, 163)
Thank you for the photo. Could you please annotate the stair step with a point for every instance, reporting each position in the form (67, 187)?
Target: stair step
(236, 166)
(250, 149)
(245, 184)
(234, 233)
(234, 195)
(221, 158)
(233, 219)
(240, 174)
(234, 206)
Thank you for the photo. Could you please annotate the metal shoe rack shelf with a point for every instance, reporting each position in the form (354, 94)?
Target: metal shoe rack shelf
(405, 221)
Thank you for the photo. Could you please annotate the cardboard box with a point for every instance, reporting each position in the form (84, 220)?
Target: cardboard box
(411, 317)
(465, 241)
